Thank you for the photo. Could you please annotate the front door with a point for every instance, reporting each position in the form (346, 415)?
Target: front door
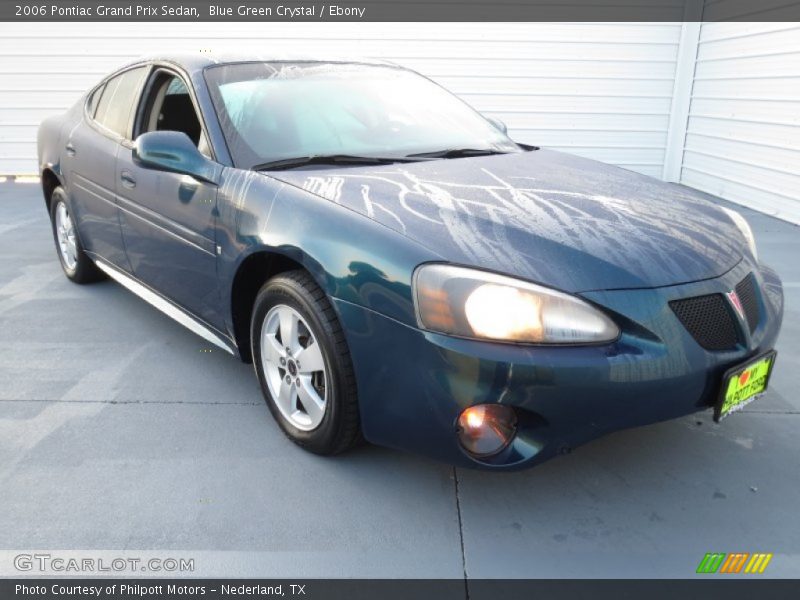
(168, 220)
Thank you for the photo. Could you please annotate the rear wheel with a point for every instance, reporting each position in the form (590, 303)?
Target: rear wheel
(77, 266)
(303, 364)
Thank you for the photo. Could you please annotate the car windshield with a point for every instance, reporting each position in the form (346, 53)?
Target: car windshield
(275, 111)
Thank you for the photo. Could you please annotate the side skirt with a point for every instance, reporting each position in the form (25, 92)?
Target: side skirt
(165, 306)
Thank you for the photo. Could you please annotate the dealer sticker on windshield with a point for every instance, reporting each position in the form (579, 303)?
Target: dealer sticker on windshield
(743, 384)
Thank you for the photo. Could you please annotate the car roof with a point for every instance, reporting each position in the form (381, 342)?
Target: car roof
(197, 61)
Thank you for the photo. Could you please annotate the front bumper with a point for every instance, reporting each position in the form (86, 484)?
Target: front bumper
(413, 384)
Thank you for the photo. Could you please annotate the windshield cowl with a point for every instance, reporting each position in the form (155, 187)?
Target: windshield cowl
(332, 159)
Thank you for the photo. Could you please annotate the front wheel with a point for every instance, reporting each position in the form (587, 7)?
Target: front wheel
(303, 364)
(77, 266)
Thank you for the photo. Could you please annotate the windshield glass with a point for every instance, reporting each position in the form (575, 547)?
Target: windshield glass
(275, 111)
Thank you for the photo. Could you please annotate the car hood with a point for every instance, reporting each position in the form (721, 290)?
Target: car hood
(553, 218)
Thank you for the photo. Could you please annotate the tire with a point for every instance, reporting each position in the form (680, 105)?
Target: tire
(77, 266)
(317, 406)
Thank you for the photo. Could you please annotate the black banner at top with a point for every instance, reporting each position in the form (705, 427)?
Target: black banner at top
(399, 10)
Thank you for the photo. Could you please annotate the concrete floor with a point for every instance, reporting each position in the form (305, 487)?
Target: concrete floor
(120, 436)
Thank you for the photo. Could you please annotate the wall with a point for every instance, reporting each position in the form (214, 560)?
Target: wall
(601, 90)
(743, 132)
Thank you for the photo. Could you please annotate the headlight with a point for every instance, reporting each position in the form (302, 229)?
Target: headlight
(744, 227)
(476, 304)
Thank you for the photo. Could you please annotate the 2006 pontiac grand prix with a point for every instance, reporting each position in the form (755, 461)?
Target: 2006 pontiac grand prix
(397, 268)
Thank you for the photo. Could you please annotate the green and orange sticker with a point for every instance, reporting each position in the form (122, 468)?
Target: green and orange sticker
(735, 562)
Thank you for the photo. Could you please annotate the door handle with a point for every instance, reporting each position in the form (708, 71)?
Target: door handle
(127, 179)
(70, 149)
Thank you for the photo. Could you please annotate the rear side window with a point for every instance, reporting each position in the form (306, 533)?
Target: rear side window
(116, 103)
(94, 99)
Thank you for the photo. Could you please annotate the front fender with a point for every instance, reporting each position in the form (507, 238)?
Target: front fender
(352, 257)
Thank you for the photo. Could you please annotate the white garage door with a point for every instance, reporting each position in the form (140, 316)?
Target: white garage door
(601, 90)
(743, 132)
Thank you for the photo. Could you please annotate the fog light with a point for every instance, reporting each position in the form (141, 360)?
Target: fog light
(486, 429)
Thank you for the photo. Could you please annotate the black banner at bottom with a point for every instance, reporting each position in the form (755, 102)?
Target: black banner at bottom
(391, 589)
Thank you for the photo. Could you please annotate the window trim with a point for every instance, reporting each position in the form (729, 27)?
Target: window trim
(98, 89)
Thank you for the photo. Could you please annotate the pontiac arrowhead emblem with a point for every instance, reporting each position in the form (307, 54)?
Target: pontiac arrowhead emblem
(733, 297)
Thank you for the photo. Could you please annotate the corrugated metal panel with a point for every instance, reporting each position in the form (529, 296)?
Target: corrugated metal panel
(602, 90)
(743, 133)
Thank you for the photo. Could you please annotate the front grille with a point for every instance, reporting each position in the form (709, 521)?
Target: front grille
(709, 320)
(746, 290)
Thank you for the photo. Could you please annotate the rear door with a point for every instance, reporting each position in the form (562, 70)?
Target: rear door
(168, 220)
(89, 161)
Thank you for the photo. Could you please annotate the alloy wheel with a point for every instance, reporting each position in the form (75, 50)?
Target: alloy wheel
(294, 367)
(65, 232)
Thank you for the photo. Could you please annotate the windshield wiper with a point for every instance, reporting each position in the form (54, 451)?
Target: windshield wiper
(330, 159)
(457, 153)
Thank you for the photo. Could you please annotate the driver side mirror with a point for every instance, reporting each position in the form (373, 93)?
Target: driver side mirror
(498, 124)
(174, 152)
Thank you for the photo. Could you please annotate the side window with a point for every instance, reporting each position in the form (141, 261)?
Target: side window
(169, 107)
(115, 105)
